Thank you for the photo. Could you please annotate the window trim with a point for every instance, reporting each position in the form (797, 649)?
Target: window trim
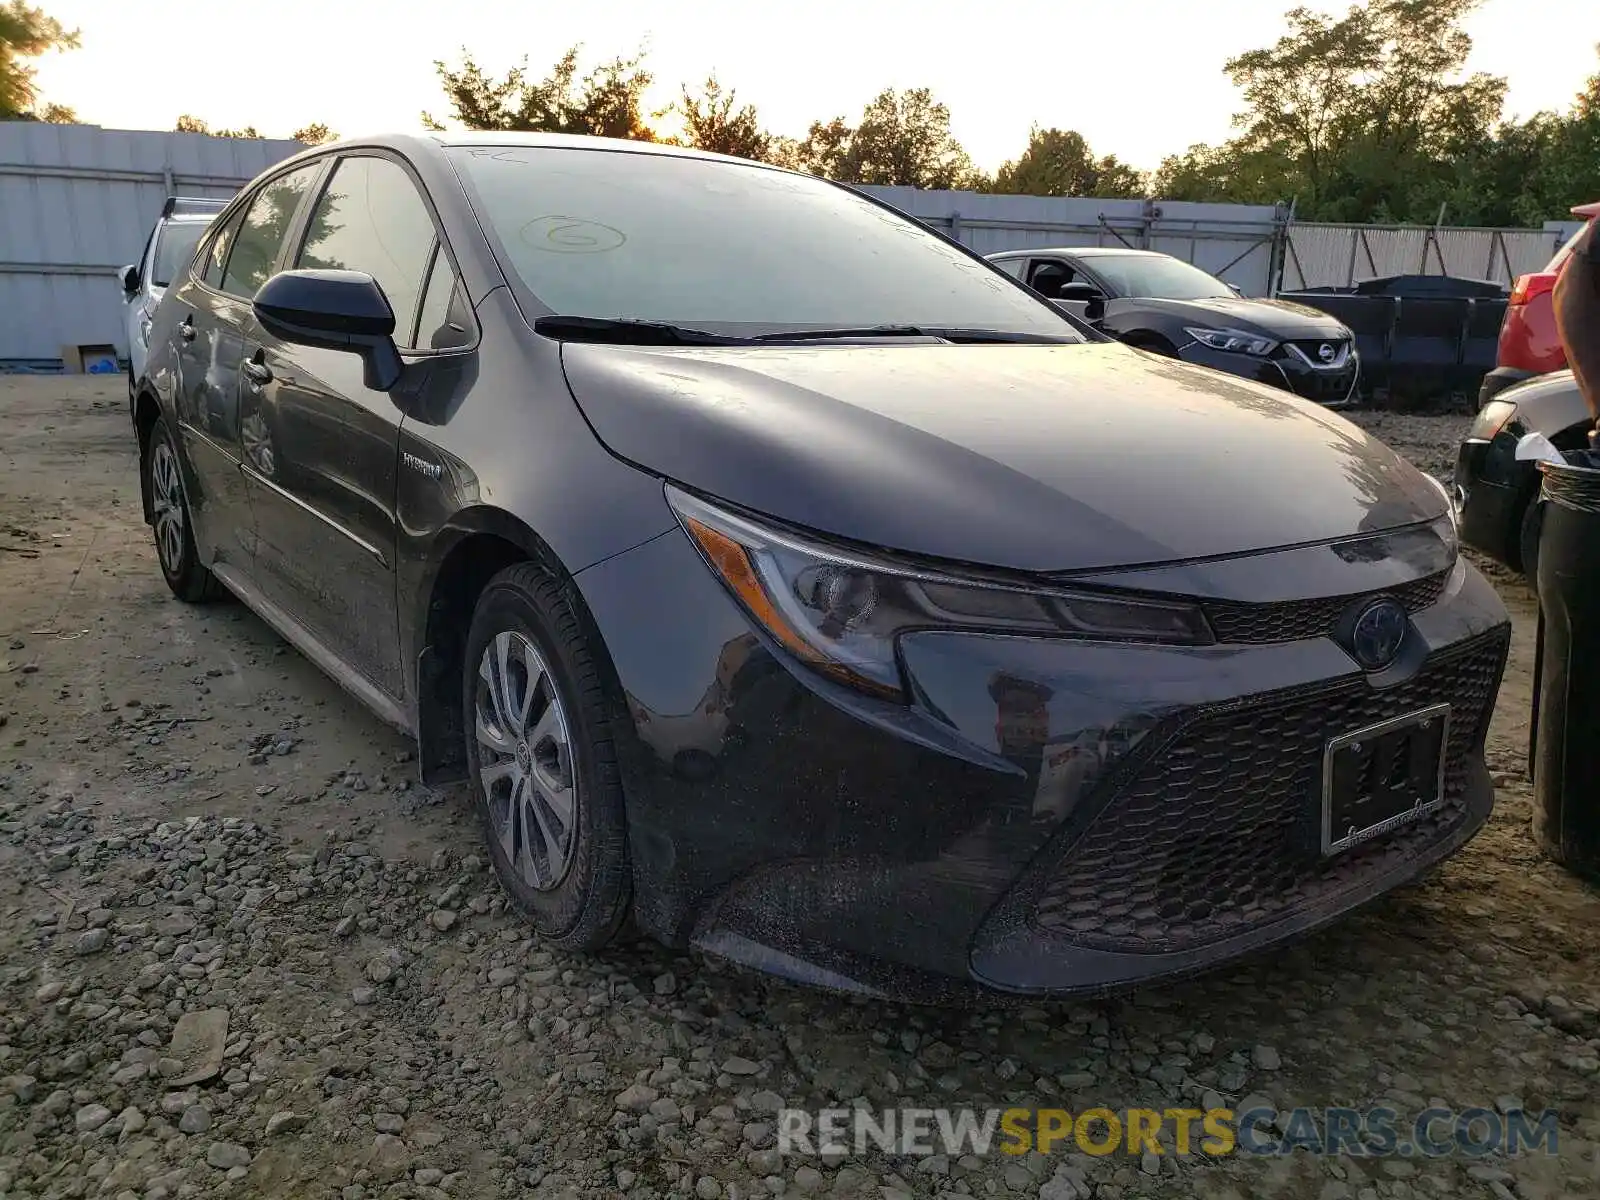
(301, 228)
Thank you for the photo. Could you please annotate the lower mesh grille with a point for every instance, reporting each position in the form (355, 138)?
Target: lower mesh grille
(1238, 623)
(1220, 830)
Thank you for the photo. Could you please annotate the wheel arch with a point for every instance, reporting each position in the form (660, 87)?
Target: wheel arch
(146, 412)
(475, 546)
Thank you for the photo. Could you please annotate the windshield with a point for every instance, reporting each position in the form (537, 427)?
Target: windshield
(726, 247)
(175, 248)
(1156, 277)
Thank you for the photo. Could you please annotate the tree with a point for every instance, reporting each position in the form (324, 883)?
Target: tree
(192, 124)
(26, 32)
(607, 102)
(903, 138)
(712, 122)
(315, 134)
(1358, 117)
(1058, 162)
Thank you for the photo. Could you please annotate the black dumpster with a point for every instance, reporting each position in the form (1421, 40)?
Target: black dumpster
(1565, 734)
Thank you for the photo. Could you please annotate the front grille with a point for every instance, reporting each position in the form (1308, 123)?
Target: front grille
(1220, 830)
(1239, 623)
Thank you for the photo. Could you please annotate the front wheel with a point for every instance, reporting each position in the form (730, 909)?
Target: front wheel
(171, 521)
(542, 761)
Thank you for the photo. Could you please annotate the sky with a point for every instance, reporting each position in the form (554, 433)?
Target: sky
(1138, 78)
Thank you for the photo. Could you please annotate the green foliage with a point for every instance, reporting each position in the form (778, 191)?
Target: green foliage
(192, 124)
(607, 102)
(712, 120)
(1058, 162)
(1368, 117)
(26, 32)
(315, 134)
(902, 138)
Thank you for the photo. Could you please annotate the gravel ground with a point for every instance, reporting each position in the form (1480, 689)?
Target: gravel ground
(242, 954)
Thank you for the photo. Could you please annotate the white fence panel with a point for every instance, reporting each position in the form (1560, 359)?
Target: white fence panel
(76, 203)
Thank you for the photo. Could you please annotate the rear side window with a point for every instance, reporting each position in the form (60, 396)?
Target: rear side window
(371, 218)
(266, 224)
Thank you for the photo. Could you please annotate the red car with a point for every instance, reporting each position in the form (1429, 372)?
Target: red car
(1528, 342)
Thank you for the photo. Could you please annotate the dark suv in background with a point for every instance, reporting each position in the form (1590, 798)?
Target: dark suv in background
(1160, 303)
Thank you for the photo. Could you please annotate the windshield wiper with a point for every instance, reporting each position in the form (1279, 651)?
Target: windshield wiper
(848, 331)
(628, 331)
(624, 331)
(943, 333)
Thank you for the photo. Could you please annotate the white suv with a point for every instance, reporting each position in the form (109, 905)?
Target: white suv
(167, 252)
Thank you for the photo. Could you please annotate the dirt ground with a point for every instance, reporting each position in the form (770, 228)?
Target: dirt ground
(193, 820)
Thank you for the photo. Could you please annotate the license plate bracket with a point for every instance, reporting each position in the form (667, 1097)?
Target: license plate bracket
(1382, 776)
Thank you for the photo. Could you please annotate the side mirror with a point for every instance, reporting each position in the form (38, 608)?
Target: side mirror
(336, 310)
(129, 275)
(1083, 293)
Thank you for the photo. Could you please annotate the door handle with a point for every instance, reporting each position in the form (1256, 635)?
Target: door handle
(257, 371)
(186, 330)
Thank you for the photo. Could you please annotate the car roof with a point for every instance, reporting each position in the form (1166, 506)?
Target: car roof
(1083, 252)
(448, 139)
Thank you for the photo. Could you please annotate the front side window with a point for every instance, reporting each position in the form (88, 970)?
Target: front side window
(727, 247)
(444, 322)
(371, 218)
(266, 224)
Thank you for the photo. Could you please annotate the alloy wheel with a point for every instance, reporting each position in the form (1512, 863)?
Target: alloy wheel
(525, 760)
(166, 502)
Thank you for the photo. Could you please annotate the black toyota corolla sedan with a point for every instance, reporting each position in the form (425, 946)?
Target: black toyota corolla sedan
(782, 575)
(1165, 305)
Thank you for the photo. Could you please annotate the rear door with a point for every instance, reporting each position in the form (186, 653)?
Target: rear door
(213, 318)
(324, 490)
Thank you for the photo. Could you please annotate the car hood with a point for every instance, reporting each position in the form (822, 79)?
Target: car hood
(1282, 320)
(1033, 458)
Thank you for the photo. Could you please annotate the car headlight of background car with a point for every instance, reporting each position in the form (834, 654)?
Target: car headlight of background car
(1236, 341)
(841, 612)
(1491, 419)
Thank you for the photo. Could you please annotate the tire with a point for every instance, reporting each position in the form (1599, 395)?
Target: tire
(1528, 531)
(542, 762)
(161, 473)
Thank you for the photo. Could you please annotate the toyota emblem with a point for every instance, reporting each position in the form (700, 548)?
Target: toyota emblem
(1326, 352)
(1376, 632)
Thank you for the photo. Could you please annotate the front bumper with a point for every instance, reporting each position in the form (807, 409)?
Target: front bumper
(1331, 387)
(1047, 816)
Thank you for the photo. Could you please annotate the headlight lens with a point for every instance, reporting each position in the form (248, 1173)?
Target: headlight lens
(1236, 341)
(842, 613)
(1491, 419)
(1448, 527)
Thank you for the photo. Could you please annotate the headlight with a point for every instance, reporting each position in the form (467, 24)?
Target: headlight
(841, 612)
(1448, 527)
(1491, 419)
(1235, 340)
